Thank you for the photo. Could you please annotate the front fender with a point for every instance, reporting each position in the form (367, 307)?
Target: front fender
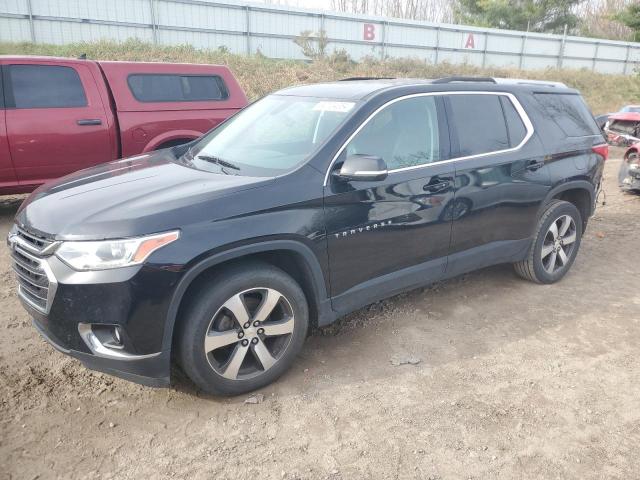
(325, 313)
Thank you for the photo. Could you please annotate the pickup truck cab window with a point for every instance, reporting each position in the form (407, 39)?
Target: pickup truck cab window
(46, 86)
(404, 134)
(176, 88)
(272, 136)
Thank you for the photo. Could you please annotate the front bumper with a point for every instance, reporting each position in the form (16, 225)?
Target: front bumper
(149, 370)
(86, 304)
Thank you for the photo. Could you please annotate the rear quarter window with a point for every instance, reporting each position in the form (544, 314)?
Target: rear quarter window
(515, 127)
(570, 113)
(177, 88)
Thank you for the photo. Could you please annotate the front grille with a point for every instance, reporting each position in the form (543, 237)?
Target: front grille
(36, 284)
(35, 243)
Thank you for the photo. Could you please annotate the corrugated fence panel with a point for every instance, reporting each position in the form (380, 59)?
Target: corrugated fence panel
(130, 11)
(271, 30)
(14, 30)
(14, 6)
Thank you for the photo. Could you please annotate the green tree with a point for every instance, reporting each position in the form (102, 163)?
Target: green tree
(631, 18)
(536, 15)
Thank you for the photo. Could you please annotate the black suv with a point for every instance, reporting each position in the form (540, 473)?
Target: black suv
(308, 204)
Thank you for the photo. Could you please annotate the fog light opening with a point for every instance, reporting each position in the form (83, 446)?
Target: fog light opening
(116, 340)
(116, 335)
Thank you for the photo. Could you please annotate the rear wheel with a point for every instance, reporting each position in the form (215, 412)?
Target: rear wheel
(242, 329)
(555, 246)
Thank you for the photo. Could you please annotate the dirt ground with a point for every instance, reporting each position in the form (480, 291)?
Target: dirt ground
(514, 380)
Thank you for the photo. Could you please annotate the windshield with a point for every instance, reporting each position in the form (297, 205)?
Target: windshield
(630, 109)
(268, 138)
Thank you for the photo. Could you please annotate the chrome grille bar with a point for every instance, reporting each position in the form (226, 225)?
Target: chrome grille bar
(36, 283)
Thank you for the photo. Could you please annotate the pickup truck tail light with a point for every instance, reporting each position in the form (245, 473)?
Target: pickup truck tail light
(602, 150)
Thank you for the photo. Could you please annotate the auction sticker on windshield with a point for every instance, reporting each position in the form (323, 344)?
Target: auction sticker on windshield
(326, 106)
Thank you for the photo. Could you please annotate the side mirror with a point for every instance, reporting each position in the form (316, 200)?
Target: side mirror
(363, 168)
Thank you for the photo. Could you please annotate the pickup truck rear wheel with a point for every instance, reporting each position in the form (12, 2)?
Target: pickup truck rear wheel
(242, 329)
(555, 244)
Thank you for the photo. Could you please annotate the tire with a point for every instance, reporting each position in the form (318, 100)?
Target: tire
(216, 348)
(550, 265)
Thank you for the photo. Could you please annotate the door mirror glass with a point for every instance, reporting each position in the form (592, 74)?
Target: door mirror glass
(362, 167)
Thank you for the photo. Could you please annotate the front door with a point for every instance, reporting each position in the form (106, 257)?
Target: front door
(7, 175)
(501, 180)
(389, 235)
(56, 122)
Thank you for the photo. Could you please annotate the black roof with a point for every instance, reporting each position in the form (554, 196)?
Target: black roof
(359, 88)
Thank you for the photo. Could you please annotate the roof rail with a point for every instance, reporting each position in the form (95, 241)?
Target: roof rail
(351, 79)
(465, 79)
(523, 81)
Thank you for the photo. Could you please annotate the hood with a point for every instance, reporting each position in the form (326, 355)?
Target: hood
(135, 196)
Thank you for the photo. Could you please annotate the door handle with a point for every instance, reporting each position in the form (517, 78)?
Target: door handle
(436, 187)
(89, 121)
(533, 165)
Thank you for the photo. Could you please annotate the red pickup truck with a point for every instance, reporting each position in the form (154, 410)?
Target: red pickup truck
(59, 115)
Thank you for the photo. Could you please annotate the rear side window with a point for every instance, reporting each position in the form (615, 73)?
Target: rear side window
(480, 123)
(515, 126)
(46, 86)
(570, 113)
(177, 88)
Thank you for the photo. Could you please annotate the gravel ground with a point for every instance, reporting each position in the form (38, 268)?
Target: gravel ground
(505, 379)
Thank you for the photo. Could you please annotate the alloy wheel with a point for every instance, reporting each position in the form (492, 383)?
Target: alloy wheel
(249, 333)
(558, 244)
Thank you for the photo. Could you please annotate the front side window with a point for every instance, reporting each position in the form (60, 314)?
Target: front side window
(46, 86)
(403, 134)
(176, 88)
(480, 124)
(270, 137)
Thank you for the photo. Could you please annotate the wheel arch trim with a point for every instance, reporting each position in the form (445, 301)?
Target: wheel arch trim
(310, 261)
(571, 185)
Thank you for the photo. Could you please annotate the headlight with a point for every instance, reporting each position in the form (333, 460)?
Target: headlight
(107, 254)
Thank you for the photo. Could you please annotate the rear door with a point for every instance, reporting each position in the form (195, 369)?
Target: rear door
(7, 174)
(389, 235)
(56, 120)
(500, 179)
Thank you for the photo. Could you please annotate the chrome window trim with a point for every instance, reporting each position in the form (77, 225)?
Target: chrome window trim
(521, 112)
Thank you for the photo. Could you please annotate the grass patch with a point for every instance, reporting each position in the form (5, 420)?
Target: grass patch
(259, 75)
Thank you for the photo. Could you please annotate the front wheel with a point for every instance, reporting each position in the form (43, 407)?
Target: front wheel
(242, 329)
(555, 245)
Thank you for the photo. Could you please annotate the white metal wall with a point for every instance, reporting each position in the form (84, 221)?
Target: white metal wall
(249, 28)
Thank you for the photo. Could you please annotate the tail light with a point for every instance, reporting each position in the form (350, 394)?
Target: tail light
(602, 150)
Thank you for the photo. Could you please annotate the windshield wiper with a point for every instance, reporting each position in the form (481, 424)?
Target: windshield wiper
(218, 161)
